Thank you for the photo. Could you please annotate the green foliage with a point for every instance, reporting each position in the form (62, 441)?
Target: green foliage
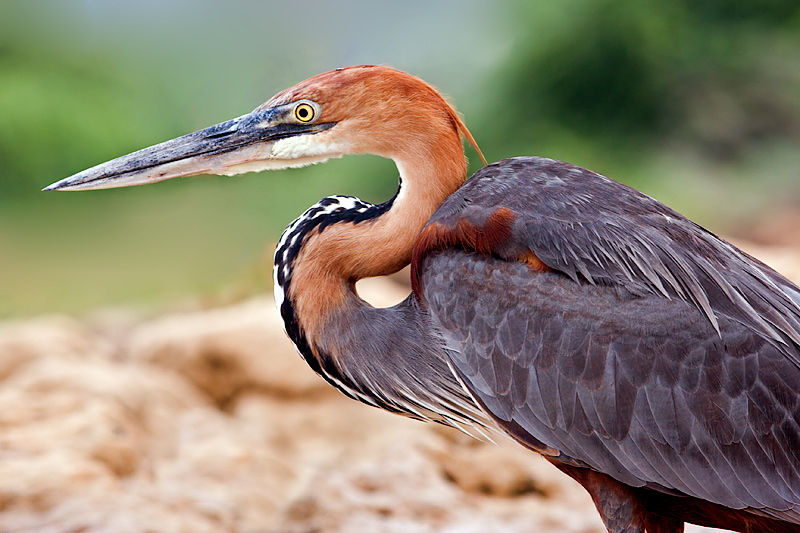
(714, 75)
(57, 117)
(687, 100)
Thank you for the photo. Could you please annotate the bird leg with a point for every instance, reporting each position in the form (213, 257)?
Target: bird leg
(620, 507)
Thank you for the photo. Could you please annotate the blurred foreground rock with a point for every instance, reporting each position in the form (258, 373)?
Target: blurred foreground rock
(209, 421)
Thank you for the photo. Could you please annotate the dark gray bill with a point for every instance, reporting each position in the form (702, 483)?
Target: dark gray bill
(233, 147)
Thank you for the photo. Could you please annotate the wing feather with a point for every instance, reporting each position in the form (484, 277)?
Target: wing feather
(652, 351)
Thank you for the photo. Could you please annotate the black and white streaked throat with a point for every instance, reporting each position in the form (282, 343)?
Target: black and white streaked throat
(327, 212)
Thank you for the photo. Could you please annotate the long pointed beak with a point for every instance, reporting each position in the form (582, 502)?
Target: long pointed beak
(239, 145)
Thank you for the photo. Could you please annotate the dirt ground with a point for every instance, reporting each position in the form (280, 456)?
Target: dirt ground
(208, 421)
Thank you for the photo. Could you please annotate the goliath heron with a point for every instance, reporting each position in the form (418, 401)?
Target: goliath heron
(652, 361)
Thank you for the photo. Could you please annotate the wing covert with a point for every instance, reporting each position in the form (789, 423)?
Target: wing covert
(652, 350)
(639, 387)
(597, 230)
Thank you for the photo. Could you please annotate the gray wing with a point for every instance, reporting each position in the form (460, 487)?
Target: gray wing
(653, 351)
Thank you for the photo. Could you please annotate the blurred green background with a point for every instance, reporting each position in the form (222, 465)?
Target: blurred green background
(694, 102)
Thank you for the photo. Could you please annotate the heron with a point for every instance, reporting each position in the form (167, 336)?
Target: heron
(642, 355)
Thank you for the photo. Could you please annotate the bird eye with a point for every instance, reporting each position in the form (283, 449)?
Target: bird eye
(304, 113)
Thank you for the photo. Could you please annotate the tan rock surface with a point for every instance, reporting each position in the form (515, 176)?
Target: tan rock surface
(209, 421)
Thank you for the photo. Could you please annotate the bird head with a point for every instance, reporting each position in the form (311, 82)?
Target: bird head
(360, 109)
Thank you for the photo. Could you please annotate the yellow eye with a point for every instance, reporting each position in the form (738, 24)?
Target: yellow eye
(304, 113)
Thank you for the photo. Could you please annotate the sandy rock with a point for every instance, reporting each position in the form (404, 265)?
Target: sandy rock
(383, 292)
(223, 470)
(226, 351)
(209, 421)
(72, 429)
(24, 341)
(477, 467)
(401, 489)
(38, 482)
(52, 389)
(315, 433)
(98, 431)
(82, 465)
(39, 413)
(397, 493)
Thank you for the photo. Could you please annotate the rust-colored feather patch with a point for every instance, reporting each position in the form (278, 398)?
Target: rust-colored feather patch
(533, 262)
(486, 239)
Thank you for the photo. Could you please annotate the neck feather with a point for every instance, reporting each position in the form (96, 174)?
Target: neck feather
(333, 257)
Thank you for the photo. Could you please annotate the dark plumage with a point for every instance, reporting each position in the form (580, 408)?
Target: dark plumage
(653, 351)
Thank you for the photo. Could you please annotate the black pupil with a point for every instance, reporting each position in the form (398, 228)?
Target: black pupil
(302, 112)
